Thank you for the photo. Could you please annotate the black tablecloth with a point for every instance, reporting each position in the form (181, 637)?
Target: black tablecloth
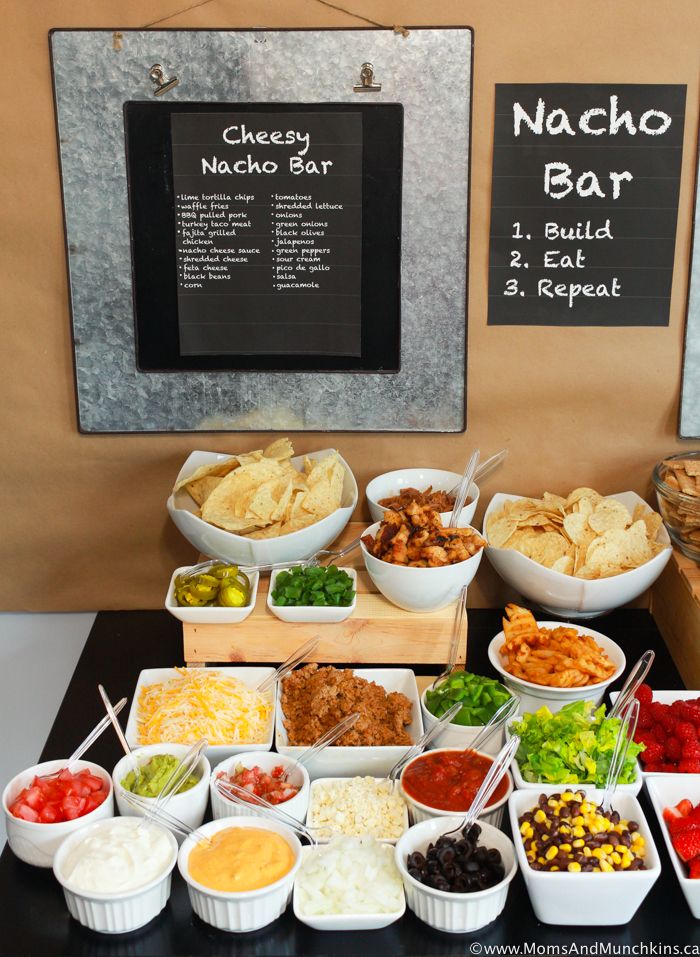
(35, 919)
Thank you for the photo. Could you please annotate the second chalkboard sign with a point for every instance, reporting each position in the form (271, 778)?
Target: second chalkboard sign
(584, 203)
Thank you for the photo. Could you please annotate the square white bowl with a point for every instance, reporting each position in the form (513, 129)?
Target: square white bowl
(210, 614)
(563, 594)
(521, 784)
(313, 800)
(219, 543)
(317, 614)
(342, 921)
(663, 697)
(215, 752)
(586, 898)
(666, 790)
(342, 761)
(533, 696)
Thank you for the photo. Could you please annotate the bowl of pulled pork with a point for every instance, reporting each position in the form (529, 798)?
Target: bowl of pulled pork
(418, 563)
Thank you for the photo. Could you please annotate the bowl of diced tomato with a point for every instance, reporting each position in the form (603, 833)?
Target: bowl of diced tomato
(47, 802)
(262, 773)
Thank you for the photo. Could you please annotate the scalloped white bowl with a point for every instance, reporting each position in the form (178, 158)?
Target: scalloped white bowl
(565, 595)
(218, 543)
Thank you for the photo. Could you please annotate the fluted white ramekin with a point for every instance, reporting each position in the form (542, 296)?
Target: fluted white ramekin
(492, 813)
(444, 910)
(297, 806)
(37, 843)
(114, 913)
(240, 911)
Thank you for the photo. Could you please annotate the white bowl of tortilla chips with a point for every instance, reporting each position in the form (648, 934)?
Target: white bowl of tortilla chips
(578, 556)
(263, 506)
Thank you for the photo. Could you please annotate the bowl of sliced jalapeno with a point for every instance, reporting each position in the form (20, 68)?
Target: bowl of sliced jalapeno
(220, 594)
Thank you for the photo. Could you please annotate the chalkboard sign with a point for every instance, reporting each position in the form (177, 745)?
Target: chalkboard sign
(268, 214)
(584, 203)
(265, 235)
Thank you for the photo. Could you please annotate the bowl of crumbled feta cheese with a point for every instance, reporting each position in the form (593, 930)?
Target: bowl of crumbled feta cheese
(355, 807)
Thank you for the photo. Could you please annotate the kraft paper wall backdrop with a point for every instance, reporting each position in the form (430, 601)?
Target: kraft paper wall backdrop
(690, 399)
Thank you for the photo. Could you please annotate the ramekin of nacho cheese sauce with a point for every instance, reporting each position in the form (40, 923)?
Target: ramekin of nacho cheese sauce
(116, 873)
(240, 871)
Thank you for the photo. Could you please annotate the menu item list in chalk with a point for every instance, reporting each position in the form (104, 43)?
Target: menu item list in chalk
(584, 203)
(268, 222)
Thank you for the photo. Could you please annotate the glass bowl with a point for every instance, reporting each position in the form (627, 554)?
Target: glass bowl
(680, 509)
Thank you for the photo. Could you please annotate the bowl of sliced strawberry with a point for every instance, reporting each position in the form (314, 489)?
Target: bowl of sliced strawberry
(48, 801)
(669, 729)
(676, 801)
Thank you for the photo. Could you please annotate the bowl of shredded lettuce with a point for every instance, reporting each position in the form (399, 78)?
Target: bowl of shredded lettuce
(573, 746)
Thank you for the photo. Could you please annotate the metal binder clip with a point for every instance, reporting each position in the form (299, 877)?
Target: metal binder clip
(160, 80)
(367, 84)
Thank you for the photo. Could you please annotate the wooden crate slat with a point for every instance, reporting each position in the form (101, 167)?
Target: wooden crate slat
(377, 632)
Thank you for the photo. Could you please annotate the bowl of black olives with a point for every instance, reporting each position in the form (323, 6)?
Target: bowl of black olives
(455, 881)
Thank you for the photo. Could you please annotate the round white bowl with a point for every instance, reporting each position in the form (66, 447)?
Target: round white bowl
(190, 806)
(368, 921)
(459, 735)
(114, 913)
(419, 589)
(244, 910)
(209, 614)
(492, 813)
(315, 614)
(445, 910)
(563, 594)
(37, 843)
(296, 806)
(533, 696)
(586, 898)
(218, 543)
(390, 484)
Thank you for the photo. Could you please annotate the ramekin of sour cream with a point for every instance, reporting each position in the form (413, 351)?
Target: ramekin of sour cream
(116, 873)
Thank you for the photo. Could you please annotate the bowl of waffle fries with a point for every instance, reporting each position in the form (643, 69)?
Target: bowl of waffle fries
(416, 562)
(551, 663)
(577, 556)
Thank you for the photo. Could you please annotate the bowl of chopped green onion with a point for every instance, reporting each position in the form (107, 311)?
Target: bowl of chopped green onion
(320, 594)
(480, 697)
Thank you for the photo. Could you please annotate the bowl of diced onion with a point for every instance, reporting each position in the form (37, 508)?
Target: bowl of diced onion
(350, 884)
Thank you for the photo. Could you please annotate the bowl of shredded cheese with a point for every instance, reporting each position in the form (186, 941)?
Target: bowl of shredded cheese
(182, 705)
(357, 806)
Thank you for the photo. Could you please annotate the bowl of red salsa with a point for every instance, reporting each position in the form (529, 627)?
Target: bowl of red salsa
(444, 781)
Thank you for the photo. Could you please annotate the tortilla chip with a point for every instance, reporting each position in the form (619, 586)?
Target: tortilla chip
(214, 468)
(200, 489)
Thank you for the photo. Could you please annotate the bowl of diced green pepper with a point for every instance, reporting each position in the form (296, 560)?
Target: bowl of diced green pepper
(313, 594)
(480, 697)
